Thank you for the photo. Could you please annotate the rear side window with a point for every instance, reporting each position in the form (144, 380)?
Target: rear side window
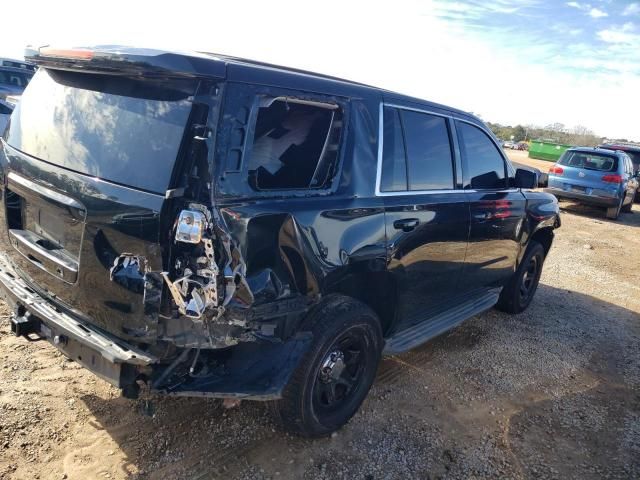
(417, 152)
(484, 165)
(394, 160)
(589, 161)
(429, 158)
(295, 145)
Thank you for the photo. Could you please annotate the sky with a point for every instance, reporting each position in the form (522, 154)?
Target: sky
(509, 61)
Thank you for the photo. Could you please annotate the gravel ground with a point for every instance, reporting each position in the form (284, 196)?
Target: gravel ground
(550, 393)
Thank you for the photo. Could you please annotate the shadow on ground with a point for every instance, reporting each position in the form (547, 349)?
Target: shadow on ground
(552, 393)
(598, 213)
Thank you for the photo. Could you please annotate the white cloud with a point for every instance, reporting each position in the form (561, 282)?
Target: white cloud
(631, 9)
(597, 13)
(505, 82)
(576, 5)
(624, 34)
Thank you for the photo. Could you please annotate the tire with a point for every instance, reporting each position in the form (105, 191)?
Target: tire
(627, 208)
(519, 291)
(636, 197)
(334, 376)
(614, 212)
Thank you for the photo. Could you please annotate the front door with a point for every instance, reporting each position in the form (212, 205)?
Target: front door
(426, 216)
(497, 211)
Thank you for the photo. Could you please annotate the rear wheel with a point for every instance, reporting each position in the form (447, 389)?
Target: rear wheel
(627, 208)
(335, 375)
(519, 291)
(614, 212)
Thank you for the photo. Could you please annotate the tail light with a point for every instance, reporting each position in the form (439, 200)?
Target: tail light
(556, 170)
(613, 178)
(70, 53)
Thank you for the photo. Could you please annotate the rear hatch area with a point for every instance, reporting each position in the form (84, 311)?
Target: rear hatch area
(585, 173)
(86, 162)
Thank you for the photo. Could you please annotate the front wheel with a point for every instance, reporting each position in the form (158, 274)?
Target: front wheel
(519, 291)
(335, 375)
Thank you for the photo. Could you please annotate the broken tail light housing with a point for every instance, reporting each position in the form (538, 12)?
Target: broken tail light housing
(556, 170)
(612, 178)
(191, 225)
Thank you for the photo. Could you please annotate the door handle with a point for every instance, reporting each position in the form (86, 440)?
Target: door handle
(406, 224)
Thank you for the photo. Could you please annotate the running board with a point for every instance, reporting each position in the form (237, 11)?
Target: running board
(432, 327)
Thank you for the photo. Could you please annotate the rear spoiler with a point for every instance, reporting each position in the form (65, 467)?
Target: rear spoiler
(117, 60)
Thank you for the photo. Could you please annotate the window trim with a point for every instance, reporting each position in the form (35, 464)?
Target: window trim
(456, 154)
(328, 102)
(454, 158)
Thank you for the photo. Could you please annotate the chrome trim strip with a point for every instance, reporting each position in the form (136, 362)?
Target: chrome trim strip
(421, 110)
(419, 192)
(380, 146)
(44, 191)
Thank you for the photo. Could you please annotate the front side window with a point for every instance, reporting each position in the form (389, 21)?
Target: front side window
(485, 167)
(295, 145)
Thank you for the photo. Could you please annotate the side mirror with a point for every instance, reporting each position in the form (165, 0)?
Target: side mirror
(526, 178)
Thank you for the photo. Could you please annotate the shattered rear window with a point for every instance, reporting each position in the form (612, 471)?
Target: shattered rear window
(295, 145)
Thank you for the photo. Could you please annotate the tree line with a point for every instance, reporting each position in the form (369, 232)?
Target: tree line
(555, 132)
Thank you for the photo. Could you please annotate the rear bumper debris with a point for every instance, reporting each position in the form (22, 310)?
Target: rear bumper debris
(257, 370)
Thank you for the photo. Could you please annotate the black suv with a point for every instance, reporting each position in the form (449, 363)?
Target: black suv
(208, 226)
(14, 77)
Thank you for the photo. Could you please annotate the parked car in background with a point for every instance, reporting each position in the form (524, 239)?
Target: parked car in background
(634, 153)
(595, 176)
(5, 112)
(14, 76)
(508, 144)
(522, 146)
(295, 227)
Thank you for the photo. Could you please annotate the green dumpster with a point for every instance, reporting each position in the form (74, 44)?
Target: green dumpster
(546, 150)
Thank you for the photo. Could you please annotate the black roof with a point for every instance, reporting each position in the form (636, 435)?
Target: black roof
(206, 64)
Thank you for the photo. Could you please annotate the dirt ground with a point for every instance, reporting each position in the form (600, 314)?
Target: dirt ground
(522, 156)
(550, 393)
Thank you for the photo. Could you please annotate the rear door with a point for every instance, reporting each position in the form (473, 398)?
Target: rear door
(497, 210)
(86, 162)
(426, 215)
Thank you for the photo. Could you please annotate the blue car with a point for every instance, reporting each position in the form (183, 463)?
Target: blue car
(595, 176)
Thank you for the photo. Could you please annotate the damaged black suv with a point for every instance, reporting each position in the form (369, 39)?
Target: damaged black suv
(202, 225)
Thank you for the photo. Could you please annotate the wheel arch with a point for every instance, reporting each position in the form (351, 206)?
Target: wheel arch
(376, 289)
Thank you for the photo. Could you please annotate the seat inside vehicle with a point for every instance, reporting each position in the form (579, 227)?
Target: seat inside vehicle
(293, 145)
